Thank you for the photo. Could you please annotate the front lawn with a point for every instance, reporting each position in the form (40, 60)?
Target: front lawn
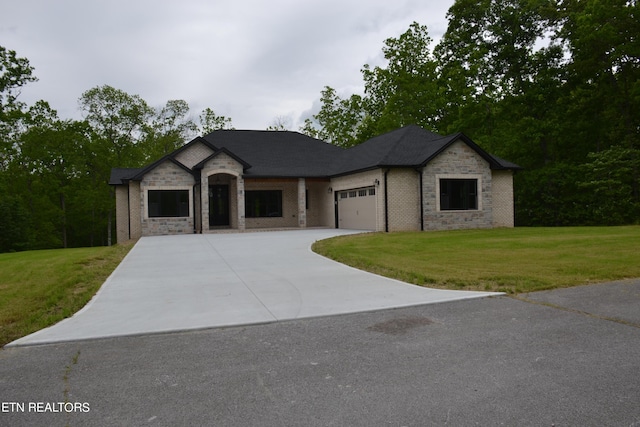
(512, 260)
(40, 288)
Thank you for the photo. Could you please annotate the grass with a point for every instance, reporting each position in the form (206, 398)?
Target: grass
(40, 288)
(514, 260)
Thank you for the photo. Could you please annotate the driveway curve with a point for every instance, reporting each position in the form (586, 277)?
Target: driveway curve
(178, 283)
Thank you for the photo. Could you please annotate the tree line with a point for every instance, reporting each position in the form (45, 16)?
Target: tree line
(552, 85)
(54, 172)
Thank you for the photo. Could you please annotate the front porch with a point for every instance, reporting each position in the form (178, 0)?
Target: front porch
(229, 202)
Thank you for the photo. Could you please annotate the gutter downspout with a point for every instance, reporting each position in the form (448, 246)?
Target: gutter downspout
(386, 202)
(420, 173)
(128, 212)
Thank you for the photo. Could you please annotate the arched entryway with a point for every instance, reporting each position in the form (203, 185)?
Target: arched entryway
(222, 206)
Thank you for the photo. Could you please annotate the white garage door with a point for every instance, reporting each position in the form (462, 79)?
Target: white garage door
(357, 209)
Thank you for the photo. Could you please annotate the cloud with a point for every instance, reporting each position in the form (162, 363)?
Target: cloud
(249, 60)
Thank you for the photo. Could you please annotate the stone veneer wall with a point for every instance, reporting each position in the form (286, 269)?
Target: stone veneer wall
(502, 192)
(167, 176)
(466, 163)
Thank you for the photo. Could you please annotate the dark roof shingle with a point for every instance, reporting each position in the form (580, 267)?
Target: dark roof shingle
(270, 154)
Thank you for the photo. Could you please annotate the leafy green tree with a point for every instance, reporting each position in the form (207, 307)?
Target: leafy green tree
(339, 119)
(210, 121)
(407, 90)
(169, 129)
(603, 81)
(15, 72)
(119, 120)
(612, 176)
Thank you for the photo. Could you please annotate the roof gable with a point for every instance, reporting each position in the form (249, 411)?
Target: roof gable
(410, 146)
(222, 150)
(140, 175)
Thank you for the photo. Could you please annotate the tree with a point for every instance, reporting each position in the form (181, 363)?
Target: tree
(339, 119)
(407, 90)
(119, 120)
(210, 121)
(15, 73)
(404, 92)
(280, 123)
(169, 129)
(603, 81)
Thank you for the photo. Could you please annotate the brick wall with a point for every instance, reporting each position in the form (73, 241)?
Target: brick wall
(403, 191)
(122, 213)
(502, 191)
(193, 154)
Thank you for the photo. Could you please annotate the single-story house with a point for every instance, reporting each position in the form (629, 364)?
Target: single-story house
(407, 179)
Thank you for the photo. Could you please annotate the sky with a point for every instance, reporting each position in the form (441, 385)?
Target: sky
(254, 61)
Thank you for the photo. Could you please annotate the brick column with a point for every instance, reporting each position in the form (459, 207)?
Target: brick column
(302, 203)
(204, 208)
(240, 202)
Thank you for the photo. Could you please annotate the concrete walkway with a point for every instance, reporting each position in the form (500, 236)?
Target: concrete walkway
(174, 283)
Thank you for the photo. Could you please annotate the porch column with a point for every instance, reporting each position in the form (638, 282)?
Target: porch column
(240, 203)
(302, 203)
(204, 206)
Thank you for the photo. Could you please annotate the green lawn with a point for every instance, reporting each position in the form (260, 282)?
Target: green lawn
(40, 288)
(512, 260)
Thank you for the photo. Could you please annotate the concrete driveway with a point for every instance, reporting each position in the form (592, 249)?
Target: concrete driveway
(177, 283)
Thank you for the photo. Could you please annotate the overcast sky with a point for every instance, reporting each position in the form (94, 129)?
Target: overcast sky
(250, 60)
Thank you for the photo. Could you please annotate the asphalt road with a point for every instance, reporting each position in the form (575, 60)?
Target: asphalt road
(562, 358)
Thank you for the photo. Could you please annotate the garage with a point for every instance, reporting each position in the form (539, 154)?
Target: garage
(357, 208)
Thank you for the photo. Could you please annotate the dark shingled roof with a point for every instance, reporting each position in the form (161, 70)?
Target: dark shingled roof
(291, 154)
(410, 146)
(120, 175)
(277, 153)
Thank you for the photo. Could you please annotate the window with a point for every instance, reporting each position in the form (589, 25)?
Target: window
(353, 193)
(372, 191)
(362, 193)
(458, 194)
(260, 204)
(343, 195)
(168, 203)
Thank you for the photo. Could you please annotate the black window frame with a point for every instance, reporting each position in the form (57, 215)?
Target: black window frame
(168, 203)
(458, 194)
(263, 204)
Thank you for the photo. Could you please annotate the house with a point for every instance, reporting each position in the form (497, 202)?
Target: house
(407, 179)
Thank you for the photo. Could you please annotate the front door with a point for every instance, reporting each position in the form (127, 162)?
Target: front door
(218, 205)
